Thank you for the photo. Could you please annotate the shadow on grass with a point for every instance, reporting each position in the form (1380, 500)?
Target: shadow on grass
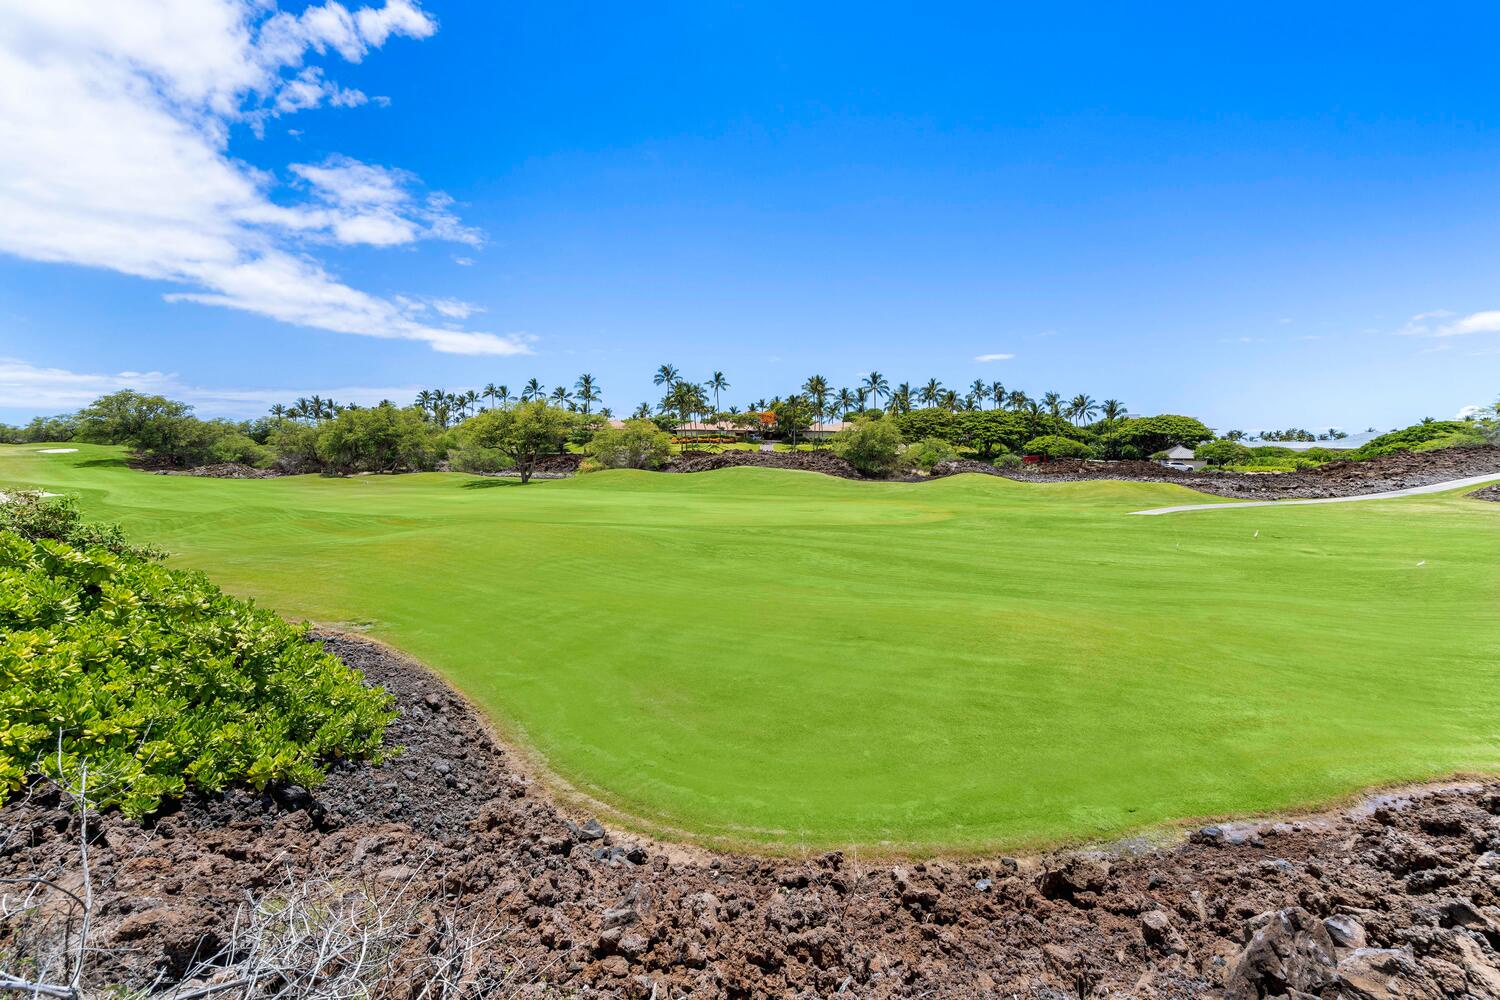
(488, 483)
(100, 463)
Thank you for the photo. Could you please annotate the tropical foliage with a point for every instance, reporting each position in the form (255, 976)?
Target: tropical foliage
(153, 681)
(639, 444)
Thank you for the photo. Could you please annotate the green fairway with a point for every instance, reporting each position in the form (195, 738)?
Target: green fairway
(778, 658)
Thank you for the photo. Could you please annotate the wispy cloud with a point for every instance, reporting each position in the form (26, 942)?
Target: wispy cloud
(1442, 323)
(31, 388)
(117, 119)
(983, 358)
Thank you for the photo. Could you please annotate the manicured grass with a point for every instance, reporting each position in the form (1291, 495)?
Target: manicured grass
(753, 656)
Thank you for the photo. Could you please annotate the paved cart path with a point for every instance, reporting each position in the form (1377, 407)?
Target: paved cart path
(1451, 484)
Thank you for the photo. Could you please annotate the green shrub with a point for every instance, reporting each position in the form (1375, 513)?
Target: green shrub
(1222, 452)
(384, 438)
(929, 452)
(1055, 446)
(1434, 434)
(640, 444)
(474, 459)
(871, 445)
(37, 518)
(1007, 461)
(156, 681)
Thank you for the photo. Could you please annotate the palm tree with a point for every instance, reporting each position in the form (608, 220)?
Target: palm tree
(1234, 436)
(1112, 410)
(588, 391)
(718, 383)
(665, 375)
(491, 392)
(978, 390)
(949, 400)
(1018, 400)
(1033, 417)
(503, 391)
(278, 411)
(931, 392)
(997, 393)
(901, 398)
(469, 401)
(878, 388)
(533, 390)
(1082, 408)
(845, 401)
(561, 396)
(816, 390)
(1053, 402)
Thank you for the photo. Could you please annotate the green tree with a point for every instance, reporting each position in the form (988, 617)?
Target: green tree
(377, 439)
(793, 416)
(639, 444)
(1056, 446)
(717, 384)
(877, 387)
(872, 445)
(155, 426)
(588, 391)
(522, 433)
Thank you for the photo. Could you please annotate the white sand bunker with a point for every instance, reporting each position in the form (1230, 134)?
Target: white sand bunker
(55, 451)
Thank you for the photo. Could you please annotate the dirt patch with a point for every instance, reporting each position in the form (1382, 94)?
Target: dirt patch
(1487, 493)
(1397, 898)
(819, 460)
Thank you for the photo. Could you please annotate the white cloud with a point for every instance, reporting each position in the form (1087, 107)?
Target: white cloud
(1423, 325)
(30, 388)
(993, 357)
(371, 204)
(116, 120)
(1474, 410)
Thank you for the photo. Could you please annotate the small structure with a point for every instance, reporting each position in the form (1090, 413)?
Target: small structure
(1181, 455)
(713, 430)
(824, 431)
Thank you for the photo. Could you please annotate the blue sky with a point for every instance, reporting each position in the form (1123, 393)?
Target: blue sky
(1262, 217)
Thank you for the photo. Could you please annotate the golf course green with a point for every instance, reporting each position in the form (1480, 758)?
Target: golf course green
(778, 659)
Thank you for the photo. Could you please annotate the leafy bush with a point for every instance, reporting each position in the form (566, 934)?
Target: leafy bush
(1006, 461)
(1146, 435)
(37, 518)
(522, 433)
(1430, 433)
(384, 438)
(929, 452)
(157, 681)
(474, 459)
(1055, 446)
(296, 447)
(871, 445)
(1222, 452)
(640, 444)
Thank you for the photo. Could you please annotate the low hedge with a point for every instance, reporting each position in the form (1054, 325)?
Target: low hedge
(157, 681)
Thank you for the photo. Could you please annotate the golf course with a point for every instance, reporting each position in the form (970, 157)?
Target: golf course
(783, 660)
